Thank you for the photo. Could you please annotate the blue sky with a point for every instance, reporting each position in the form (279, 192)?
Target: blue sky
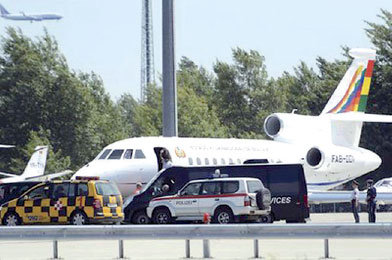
(104, 36)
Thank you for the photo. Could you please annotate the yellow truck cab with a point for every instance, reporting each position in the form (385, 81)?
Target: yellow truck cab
(78, 202)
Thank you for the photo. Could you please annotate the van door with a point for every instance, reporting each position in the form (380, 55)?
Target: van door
(36, 205)
(285, 194)
(209, 196)
(187, 203)
(59, 202)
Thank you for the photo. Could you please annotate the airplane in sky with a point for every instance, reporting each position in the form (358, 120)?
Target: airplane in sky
(35, 169)
(27, 17)
(327, 145)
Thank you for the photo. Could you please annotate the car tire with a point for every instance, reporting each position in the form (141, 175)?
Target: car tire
(267, 219)
(79, 218)
(162, 216)
(140, 217)
(11, 219)
(263, 199)
(223, 215)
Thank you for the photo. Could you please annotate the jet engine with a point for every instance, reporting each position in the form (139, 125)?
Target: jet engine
(334, 158)
(293, 128)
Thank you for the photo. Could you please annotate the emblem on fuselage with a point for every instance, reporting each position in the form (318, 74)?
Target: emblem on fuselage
(179, 152)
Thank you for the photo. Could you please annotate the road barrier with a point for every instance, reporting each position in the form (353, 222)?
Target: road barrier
(198, 232)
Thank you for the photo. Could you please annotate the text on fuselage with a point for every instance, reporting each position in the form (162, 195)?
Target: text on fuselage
(348, 158)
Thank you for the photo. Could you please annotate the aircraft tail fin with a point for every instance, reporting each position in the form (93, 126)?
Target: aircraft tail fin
(352, 92)
(3, 11)
(36, 165)
(351, 95)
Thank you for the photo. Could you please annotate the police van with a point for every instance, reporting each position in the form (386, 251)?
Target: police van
(286, 182)
(78, 202)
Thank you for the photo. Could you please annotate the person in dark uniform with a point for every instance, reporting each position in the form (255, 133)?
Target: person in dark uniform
(371, 201)
(355, 200)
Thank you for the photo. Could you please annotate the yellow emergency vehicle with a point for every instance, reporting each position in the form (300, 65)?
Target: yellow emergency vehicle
(78, 202)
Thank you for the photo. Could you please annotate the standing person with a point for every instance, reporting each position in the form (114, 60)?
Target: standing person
(166, 159)
(355, 200)
(138, 188)
(371, 201)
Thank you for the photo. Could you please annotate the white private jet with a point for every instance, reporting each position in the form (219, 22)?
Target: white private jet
(35, 168)
(27, 17)
(326, 145)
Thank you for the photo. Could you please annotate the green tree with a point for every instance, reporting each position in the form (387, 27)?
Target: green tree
(38, 91)
(244, 95)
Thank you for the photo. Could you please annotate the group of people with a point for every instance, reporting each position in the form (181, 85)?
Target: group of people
(371, 195)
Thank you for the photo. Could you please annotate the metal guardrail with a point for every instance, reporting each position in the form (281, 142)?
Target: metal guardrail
(205, 232)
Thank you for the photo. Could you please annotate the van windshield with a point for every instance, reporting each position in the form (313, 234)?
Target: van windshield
(104, 188)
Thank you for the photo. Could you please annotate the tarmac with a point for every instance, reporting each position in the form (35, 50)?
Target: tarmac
(219, 249)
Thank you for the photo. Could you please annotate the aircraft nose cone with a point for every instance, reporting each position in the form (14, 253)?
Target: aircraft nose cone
(373, 161)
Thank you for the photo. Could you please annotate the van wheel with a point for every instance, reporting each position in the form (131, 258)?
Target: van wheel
(162, 216)
(140, 217)
(79, 218)
(223, 215)
(11, 219)
(267, 219)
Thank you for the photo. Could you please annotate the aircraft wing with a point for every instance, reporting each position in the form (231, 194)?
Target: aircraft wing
(6, 146)
(361, 117)
(8, 174)
(51, 176)
(320, 197)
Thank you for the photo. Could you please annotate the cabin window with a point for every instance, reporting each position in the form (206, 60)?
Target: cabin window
(190, 160)
(104, 154)
(115, 155)
(206, 161)
(128, 154)
(215, 161)
(198, 161)
(223, 162)
(231, 161)
(139, 154)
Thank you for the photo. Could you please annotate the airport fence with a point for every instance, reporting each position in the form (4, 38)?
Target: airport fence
(197, 232)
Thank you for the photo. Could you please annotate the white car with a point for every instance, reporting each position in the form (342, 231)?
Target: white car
(225, 199)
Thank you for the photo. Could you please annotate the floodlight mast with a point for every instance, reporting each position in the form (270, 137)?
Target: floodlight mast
(169, 89)
(147, 72)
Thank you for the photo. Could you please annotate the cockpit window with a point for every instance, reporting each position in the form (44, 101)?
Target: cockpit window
(115, 155)
(139, 154)
(104, 154)
(128, 154)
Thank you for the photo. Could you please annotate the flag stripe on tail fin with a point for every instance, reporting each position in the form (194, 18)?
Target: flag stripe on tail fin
(355, 98)
(366, 87)
(340, 104)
